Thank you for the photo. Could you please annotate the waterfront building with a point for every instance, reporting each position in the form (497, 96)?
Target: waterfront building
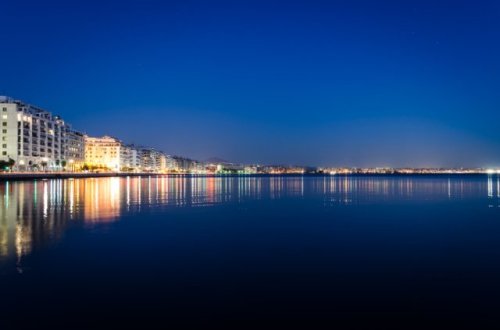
(162, 162)
(103, 153)
(32, 137)
(230, 168)
(75, 150)
(130, 158)
(184, 165)
(199, 167)
(250, 169)
(181, 164)
(170, 163)
(153, 160)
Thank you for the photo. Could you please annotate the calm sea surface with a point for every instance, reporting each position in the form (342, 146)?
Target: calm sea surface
(264, 251)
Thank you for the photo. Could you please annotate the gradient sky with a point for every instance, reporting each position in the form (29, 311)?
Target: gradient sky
(344, 83)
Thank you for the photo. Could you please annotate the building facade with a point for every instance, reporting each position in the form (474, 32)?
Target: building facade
(153, 160)
(171, 164)
(103, 153)
(130, 158)
(186, 165)
(34, 138)
(75, 150)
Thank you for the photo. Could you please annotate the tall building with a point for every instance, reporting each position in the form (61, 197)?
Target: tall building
(75, 150)
(130, 160)
(171, 164)
(103, 152)
(183, 164)
(153, 160)
(32, 137)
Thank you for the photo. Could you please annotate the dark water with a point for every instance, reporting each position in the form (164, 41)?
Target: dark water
(254, 252)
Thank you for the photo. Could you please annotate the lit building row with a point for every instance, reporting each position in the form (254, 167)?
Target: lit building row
(33, 139)
(110, 154)
(36, 139)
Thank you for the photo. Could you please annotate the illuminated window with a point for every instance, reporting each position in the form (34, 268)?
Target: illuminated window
(4, 116)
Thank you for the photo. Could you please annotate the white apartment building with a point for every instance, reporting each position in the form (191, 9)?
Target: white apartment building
(171, 164)
(130, 158)
(153, 160)
(32, 137)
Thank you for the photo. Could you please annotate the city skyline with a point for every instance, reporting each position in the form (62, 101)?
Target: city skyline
(36, 139)
(322, 84)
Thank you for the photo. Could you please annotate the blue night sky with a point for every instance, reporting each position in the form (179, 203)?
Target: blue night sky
(347, 83)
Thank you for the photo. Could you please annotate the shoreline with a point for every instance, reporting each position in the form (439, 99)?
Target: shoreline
(71, 175)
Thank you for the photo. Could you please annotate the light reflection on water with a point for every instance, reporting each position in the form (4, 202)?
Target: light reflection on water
(34, 213)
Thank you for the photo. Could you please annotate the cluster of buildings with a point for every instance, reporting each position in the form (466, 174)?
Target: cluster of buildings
(33, 139)
(390, 170)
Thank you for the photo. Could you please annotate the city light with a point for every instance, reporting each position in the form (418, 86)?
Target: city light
(50, 144)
